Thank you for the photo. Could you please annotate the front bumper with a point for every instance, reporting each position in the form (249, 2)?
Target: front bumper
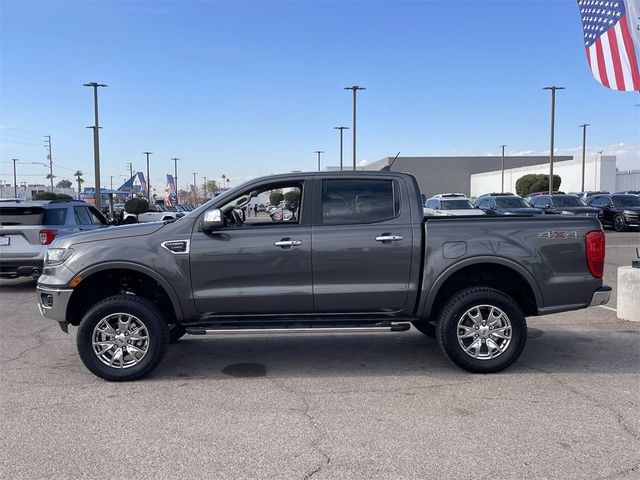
(53, 302)
(601, 296)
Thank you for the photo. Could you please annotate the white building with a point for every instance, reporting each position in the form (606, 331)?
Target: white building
(600, 174)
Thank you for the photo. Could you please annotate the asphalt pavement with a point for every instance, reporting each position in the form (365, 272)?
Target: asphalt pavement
(369, 406)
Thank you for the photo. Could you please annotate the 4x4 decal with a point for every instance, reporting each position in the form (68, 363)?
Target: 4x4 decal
(559, 234)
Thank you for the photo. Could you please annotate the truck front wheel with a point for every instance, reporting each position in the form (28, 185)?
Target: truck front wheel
(123, 337)
(482, 330)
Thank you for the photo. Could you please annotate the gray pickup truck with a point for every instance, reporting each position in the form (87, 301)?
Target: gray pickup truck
(356, 254)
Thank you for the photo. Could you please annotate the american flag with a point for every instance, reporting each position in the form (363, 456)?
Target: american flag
(609, 43)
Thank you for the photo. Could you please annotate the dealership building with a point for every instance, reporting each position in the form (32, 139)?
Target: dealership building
(474, 176)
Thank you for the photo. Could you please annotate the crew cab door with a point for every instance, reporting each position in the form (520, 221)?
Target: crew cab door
(256, 264)
(362, 245)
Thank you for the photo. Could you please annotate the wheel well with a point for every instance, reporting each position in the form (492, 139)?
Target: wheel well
(106, 283)
(489, 275)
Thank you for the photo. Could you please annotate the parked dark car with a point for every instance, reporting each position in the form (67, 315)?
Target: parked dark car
(506, 204)
(562, 204)
(618, 210)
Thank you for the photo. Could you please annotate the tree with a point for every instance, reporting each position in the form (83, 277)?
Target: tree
(80, 181)
(136, 206)
(44, 196)
(50, 196)
(292, 196)
(64, 183)
(531, 183)
(275, 197)
(211, 187)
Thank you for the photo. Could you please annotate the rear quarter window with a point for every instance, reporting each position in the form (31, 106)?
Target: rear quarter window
(54, 216)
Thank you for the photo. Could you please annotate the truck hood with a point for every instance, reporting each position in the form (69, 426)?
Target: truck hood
(123, 231)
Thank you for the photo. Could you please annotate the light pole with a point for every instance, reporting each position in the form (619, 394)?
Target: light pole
(15, 181)
(319, 152)
(502, 189)
(354, 88)
(584, 150)
(553, 119)
(341, 129)
(96, 140)
(195, 186)
(224, 179)
(148, 177)
(175, 174)
(205, 187)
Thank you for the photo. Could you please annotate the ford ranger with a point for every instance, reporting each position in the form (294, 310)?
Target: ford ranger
(356, 254)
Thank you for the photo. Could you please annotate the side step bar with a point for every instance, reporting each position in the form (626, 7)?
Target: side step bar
(398, 327)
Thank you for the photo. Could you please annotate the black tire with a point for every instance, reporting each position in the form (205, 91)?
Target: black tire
(465, 301)
(619, 223)
(176, 332)
(426, 327)
(146, 313)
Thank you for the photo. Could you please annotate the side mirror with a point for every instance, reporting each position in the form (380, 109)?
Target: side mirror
(212, 220)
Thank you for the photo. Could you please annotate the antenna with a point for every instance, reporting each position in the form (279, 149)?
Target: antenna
(387, 168)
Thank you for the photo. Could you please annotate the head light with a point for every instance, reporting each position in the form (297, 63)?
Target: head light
(567, 212)
(57, 256)
(629, 212)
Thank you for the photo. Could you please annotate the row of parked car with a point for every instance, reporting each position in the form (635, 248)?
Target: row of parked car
(619, 210)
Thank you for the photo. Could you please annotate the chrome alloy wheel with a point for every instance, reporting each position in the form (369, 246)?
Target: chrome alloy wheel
(120, 340)
(484, 332)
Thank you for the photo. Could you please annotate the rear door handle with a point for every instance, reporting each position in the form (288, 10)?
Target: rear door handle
(389, 238)
(287, 242)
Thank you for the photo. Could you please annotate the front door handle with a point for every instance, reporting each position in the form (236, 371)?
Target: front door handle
(287, 242)
(389, 238)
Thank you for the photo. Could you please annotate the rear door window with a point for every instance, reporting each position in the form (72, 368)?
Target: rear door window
(81, 216)
(55, 216)
(359, 201)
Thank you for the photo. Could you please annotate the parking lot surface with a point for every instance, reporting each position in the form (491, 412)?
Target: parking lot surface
(386, 405)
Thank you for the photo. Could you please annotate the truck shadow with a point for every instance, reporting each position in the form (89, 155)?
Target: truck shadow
(15, 285)
(366, 355)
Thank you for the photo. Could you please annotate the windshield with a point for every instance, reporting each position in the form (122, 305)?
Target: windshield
(455, 204)
(511, 202)
(626, 200)
(567, 201)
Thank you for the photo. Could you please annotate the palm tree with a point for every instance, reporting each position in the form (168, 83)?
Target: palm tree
(80, 181)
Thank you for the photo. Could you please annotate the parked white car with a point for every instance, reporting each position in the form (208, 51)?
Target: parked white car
(156, 213)
(450, 204)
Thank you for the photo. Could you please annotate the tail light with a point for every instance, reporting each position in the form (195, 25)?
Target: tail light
(595, 252)
(47, 236)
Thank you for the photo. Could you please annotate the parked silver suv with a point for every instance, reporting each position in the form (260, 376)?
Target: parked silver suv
(26, 228)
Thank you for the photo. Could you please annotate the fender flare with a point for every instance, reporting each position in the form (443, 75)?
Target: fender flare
(173, 297)
(425, 306)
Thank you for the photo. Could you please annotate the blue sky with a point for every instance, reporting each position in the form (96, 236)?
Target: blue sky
(249, 88)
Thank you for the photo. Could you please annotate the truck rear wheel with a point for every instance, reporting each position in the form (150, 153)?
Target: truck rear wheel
(123, 337)
(482, 330)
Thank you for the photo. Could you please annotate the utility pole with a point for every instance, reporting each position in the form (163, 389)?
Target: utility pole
(354, 88)
(111, 178)
(205, 187)
(175, 174)
(15, 181)
(502, 189)
(195, 185)
(318, 152)
(341, 129)
(553, 118)
(96, 141)
(50, 157)
(584, 150)
(148, 177)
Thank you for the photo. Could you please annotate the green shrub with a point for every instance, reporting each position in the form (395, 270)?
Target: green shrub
(531, 183)
(136, 206)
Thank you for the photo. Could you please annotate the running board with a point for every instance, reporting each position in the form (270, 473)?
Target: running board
(398, 327)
